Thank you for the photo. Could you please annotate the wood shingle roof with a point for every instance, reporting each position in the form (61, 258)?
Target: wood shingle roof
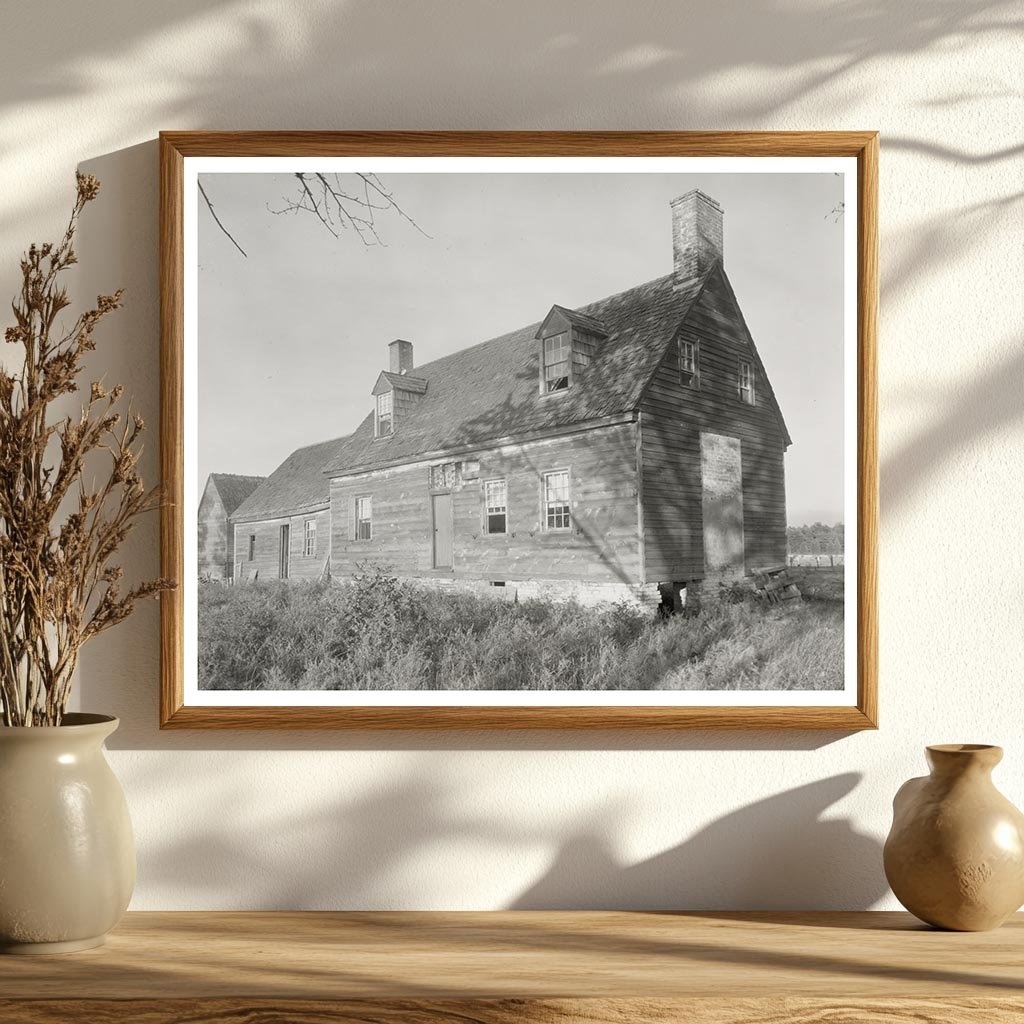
(234, 489)
(297, 485)
(490, 392)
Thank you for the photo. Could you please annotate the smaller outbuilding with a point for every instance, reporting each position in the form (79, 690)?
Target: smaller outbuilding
(222, 495)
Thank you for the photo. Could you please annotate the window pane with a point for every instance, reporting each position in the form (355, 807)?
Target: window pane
(746, 383)
(556, 348)
(558, 379)
(384, 410)
(557, 486)
(556, 500)
(495, 494)
(364, 517)
(688, 363)
(558, 517)
(556, 362)
(495, 505)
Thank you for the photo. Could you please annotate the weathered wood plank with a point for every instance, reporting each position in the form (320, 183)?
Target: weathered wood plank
(213, 530)
(601, 544)
(266, 561)
(674, 417)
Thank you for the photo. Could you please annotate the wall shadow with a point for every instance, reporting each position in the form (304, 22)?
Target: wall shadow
(366, 65)
(780, 853)
(125, 245)
(981, 407)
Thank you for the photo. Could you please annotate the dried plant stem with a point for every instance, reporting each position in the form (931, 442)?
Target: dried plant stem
(58, 585)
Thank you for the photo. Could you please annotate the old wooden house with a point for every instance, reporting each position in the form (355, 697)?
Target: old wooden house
(624, 449)
(222, 495)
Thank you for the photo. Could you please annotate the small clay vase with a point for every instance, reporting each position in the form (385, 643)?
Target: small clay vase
(955, 854)
(67, 859)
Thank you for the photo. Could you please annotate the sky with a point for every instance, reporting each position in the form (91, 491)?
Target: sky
(293, 336)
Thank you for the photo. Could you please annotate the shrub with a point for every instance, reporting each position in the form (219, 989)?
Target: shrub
(376, 632)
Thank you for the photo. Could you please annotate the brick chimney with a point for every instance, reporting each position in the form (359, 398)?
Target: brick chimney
(696, 234)
(401, 356)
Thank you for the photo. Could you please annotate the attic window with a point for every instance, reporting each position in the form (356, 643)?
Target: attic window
(745, 383)
(557, 351)
(689, 364)
(385, 410)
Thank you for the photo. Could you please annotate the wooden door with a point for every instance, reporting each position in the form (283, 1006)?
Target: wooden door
(285, 545)
(722, 502)
(442, 508)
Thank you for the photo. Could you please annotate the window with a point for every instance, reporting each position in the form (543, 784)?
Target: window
(252, 545)
(556, 500)
(495, 506)
(689, 365)
(309, 538)
(364, 518)
(746, 383)
(442, 476)
(556, 362)
(385, 409)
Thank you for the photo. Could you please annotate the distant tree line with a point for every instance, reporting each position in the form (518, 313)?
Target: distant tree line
(816, 539)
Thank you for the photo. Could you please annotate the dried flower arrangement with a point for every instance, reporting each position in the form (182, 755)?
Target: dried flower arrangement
(58, 586)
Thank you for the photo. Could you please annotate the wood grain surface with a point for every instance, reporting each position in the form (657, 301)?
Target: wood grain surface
(175, 147)
(543, 966)
(712, 1010)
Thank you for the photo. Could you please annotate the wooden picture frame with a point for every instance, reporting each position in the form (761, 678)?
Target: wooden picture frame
(178, 147)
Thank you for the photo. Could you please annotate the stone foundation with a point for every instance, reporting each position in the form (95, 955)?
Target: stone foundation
(586, 593)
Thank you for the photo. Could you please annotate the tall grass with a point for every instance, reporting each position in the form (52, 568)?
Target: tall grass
(373, 633)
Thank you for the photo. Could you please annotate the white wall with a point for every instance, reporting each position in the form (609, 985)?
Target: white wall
(253, 820)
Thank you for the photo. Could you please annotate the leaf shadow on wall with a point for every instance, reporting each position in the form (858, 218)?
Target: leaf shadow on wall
(110, 249)
(120, 671)
(779, 853)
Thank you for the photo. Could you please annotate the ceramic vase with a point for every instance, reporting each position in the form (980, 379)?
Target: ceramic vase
(955, 854)
(67, 858)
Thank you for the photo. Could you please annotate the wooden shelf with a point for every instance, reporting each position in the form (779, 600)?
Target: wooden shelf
(500, 968)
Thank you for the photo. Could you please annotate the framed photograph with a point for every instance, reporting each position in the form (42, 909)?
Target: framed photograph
(519, 430)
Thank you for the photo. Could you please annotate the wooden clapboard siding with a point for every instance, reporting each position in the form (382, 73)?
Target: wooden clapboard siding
(266, 565)
(671, 422)
(214, 531)
(602, 545)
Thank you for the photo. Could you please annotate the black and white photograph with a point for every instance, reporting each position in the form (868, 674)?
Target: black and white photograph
(547, 434)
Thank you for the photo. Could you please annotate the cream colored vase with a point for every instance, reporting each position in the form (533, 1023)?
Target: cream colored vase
(67, 859)
(955, 855)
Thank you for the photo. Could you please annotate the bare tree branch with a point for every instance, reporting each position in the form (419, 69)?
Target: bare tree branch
(337, 208)
(213, 213)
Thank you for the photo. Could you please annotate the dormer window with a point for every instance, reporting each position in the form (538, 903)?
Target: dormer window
(568, 341)
(557, 352)
(385, 413)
